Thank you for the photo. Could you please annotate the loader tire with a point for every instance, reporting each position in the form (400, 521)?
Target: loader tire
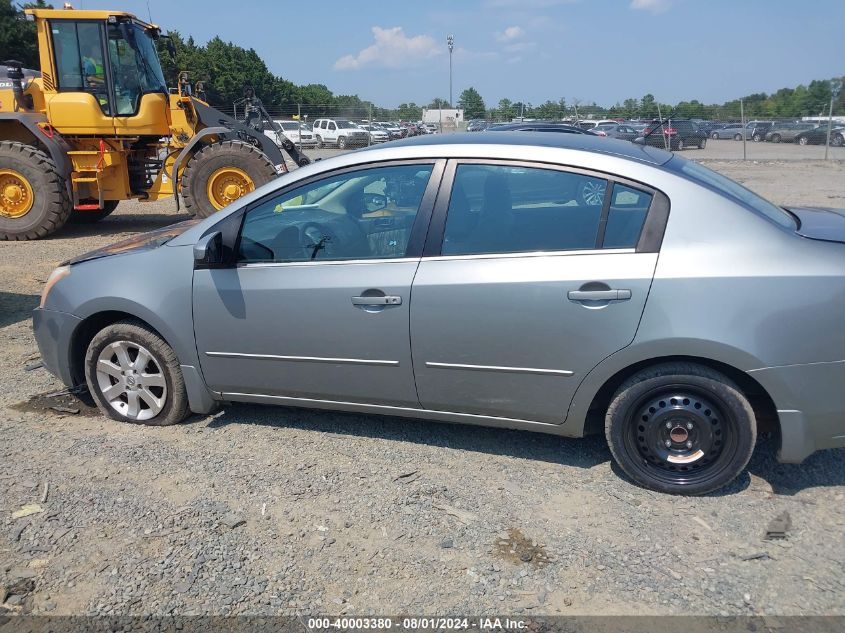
(221, 173)
(33, 194)
(89, 217)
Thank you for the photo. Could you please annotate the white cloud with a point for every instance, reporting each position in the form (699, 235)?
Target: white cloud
(511, 33)
(654, 6)
(392, 49)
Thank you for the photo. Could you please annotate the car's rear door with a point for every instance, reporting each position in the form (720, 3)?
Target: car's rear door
(519, 295)
(317, 305)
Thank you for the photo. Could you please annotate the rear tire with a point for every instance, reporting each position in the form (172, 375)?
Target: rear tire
(89, 217)
(714, 136)
(320, 142)
(134, 376)
(341, 142)
(211, 163)
(837, 140)
(775, 138)
(680, 428)
(680, 145)
(37, 203)
(737, 137)
(702, 144)
(802, 140)
(757, 138)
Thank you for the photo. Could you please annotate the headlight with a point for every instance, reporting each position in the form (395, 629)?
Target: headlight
(59, 273)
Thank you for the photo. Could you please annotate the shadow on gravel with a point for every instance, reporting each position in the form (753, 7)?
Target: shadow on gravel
(582, 453)
(822, 469)
(119, 223)
(16, 307)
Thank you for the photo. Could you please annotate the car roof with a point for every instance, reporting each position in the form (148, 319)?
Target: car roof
(578, 142)
(500, 127)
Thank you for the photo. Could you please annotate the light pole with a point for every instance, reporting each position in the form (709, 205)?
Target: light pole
(450, 42)
(835, 87)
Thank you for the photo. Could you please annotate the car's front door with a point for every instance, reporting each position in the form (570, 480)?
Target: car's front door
(531, 287)
(317, 306)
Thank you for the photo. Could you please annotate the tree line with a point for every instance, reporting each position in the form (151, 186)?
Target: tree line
(226, 69)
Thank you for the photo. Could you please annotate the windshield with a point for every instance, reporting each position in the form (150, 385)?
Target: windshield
(288, 125)
(346, 125)
(135, 65)
(713, 180)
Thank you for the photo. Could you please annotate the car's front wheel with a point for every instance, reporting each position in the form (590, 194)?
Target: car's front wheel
(837, 140)
(341, 142)
(680, 428)
(737, 137)
(714, 135)
(803, 140)
(134, 375)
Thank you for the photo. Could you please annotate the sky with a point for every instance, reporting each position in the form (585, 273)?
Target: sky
(602, 51)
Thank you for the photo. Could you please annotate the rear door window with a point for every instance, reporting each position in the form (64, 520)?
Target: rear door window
(510, 209)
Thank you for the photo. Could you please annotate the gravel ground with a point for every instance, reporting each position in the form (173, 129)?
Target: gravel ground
(258, 510)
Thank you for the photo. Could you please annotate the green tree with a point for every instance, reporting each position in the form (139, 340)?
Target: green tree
(18, 39)
(472, 104)
(438, 103)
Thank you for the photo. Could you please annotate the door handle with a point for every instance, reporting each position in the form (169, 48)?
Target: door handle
(388, 300)
(599, 295)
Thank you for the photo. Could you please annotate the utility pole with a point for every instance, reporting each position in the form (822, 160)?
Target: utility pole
(450, 42)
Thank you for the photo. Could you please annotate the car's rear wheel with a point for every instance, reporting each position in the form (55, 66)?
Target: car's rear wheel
(803, 140)
(680, 145)
(680, 428)
(319, 142)
(702, 143)
(737, 137)
(756, 138)
(775, 138)
(714, 135)
(837, 140)
(134, 375)
(341, 142)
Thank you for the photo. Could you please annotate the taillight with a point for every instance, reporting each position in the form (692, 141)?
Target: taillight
(647, 131)
(669, 131)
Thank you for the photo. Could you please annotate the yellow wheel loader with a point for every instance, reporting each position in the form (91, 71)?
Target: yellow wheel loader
(98, 125)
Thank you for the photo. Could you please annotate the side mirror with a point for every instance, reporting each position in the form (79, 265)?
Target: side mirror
(208, 251)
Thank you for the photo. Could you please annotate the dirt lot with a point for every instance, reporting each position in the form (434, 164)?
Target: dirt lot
(259, 510)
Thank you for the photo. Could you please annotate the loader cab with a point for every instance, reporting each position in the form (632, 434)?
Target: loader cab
(103, 75)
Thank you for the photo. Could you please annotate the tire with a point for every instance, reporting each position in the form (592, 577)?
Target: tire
(680, 145)
(161, 402)
(714, 135)
(802, 140)
(837, 140)
(341, 142)
(40, 205)
(710, 443)
(209, 165)
(737, 137)
(320, 142)
(756, 138)
(89, 217)
(702, 143)
(775, 138)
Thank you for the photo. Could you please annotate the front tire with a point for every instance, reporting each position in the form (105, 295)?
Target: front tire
(837, 140)
(775, 138)
(715, 136)
(221, 173)
(737, 137)
(89, 217)
(803, 140)
(680, 428)
(33, 194)
(320, 142)
(134, 376)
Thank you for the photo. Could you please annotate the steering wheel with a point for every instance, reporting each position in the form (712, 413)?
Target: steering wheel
(319, 242)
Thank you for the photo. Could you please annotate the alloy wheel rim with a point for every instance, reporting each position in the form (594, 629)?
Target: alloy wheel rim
(16, 196)
(131, 380)
(680, 435)
(593, 193)
(227, 184)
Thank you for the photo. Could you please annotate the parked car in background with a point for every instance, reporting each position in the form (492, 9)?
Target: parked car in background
(536, 126)
(616, 130)
(477, 125)
(392, 129)
(818, 136)
(525, 307)
(340, 132)
(673, 134)
(298, 132)
(729, 130)
(377, 135)
(759, 130)
(708, 127)
(432, 128)
(787, 132)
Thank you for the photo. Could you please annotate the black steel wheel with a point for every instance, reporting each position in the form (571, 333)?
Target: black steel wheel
(680, 428)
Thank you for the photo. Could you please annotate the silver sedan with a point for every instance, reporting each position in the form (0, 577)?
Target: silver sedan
(467, 279)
